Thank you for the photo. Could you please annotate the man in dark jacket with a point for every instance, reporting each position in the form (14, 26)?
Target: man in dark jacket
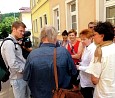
(39, 66)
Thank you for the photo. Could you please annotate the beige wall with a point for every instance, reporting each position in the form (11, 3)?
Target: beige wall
(86, 13)
(61, 4)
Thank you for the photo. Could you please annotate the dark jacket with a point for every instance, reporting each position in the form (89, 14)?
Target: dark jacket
(39, 70)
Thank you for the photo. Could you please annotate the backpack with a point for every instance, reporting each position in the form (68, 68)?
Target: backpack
(4, 71)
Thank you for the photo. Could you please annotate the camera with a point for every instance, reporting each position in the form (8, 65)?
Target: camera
(26, 42)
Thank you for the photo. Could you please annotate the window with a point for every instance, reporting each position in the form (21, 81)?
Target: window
(74, 22)
(73, 15)
(36, 26)
(45, 19)
(109, 7)
(110, 14)
(73, 7)
(40, 22)
(33, 3)
(33, 26)
(57, 19)
(37, 1)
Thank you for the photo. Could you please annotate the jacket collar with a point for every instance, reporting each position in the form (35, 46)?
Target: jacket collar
(48, 45)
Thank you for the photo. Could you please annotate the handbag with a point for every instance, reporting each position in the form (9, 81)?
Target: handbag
(60, 92)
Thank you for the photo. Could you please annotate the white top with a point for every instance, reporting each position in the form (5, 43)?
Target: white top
(85, 78)
(105, 71)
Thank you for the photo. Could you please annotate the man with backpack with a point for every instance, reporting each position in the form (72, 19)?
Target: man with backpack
(13, 58)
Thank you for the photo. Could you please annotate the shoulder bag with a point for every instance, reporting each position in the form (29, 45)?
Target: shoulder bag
(60, 92)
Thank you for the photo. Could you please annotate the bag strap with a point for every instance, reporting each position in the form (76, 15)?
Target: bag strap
(3, 42)
(8, 39)
(55, 69)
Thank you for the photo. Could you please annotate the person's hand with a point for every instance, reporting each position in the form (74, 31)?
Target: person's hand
(28, 49)
(77, 66)
(20, 42)
(75, 87)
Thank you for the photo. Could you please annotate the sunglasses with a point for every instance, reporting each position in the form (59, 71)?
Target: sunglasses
(91, 27)
(72, 49)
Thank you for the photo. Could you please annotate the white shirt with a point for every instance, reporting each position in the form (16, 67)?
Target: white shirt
(105, 71)
(85, 78)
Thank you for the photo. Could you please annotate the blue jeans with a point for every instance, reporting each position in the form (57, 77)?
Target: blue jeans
(20, 88)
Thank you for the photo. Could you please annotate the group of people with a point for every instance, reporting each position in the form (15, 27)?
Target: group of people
(81, 52)
(87, 63)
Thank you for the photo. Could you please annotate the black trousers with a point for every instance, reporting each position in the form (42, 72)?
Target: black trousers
(87, 92)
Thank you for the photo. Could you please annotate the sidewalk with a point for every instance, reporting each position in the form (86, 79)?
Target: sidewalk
(6, 91)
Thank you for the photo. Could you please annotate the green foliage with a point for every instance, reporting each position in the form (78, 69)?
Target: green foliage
(6, 22)
(2, 16)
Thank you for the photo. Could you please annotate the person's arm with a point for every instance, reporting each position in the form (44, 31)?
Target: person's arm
(83, 65)
(72, 69)
(95, 69)
(10, 56)
(28, 49)
(82, 68)
(79, 53)
(94, 79)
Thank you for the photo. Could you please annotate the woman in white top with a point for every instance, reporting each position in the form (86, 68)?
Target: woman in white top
(102, 67)
(85, 78)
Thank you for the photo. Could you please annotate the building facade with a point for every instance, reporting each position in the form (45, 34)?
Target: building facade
(25, 16)
(69, 14)
(40, 17)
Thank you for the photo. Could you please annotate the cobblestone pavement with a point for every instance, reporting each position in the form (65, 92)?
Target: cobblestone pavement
(6, 91)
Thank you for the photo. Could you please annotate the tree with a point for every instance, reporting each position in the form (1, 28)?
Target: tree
(2, 16)
(5, 26)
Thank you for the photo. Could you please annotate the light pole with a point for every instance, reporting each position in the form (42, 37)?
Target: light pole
(14, 17)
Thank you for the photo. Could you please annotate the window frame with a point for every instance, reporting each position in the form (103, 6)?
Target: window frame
(108, 4)
(41, 22)
(45, 19)
(56, 18)
(68, 14)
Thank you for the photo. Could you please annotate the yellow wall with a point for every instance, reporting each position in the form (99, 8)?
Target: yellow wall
(41, 8)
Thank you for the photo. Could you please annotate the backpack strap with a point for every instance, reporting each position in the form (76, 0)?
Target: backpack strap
(9, 39)
(3, 42)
